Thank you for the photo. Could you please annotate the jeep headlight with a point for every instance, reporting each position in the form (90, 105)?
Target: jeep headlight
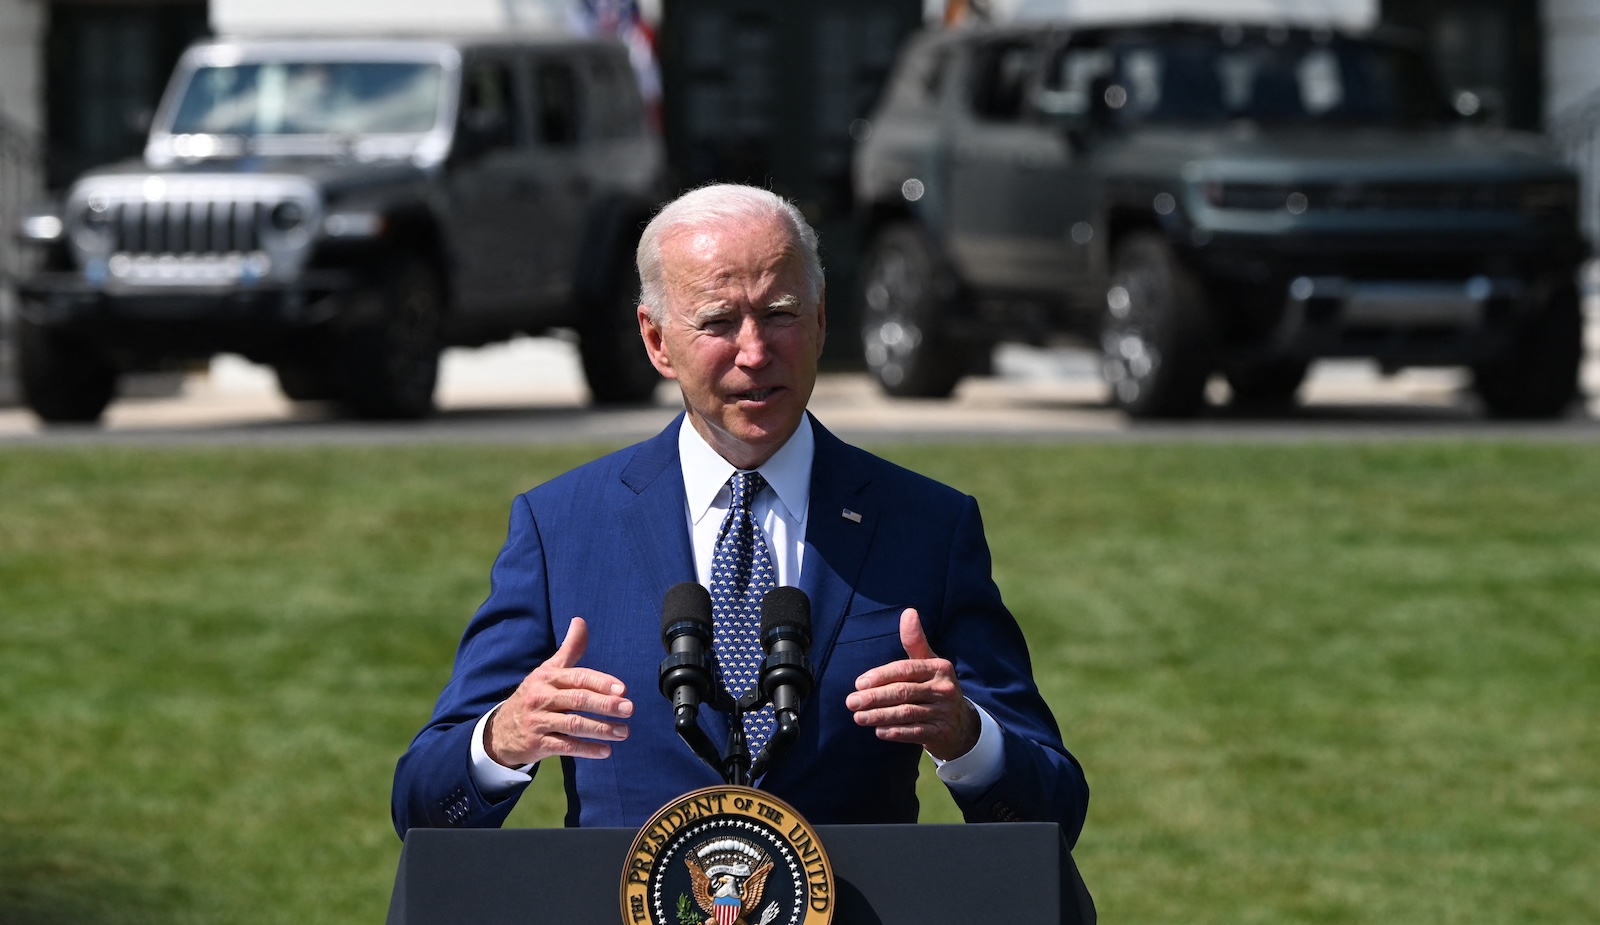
(94, 231)
(286, 216)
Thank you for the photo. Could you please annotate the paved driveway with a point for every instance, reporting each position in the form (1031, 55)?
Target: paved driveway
(531, 390)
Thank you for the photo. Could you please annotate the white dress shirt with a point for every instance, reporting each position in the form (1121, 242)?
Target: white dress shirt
(781, 511)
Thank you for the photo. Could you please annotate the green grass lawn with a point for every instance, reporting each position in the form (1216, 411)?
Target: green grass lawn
(1313, 683)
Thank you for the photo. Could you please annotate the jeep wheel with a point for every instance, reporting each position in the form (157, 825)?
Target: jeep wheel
(1156, 341)
(1538, 376)
(388, 365)
(615, 363)
(907, 297)
(64, 379)
(305, 382)
(1266, 383)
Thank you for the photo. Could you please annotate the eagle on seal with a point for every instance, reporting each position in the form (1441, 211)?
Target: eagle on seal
(729, 876)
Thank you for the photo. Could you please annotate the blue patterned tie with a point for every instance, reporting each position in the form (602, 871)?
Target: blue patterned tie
(741, 575)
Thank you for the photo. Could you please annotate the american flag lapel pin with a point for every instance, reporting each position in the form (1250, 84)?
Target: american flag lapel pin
(850, 515)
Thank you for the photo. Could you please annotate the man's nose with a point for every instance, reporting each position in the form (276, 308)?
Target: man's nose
(752, 343)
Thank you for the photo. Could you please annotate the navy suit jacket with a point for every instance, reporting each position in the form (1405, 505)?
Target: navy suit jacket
(606, 540)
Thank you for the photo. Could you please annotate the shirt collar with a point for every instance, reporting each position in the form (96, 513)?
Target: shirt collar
(788, 471)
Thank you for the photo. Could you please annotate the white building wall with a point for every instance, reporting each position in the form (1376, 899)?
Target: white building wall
(21, 43)
(1572, 53)
(259, 17)
(1348, 13)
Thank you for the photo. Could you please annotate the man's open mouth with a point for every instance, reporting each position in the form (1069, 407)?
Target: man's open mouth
(755, 394)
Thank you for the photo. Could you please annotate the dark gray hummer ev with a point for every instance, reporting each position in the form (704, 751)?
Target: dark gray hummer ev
(343, 209)
(1199, 199)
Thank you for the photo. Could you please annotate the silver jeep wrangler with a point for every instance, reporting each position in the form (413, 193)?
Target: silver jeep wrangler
(343, 209)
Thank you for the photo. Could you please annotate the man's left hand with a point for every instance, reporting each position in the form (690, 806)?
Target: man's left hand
(917, 699)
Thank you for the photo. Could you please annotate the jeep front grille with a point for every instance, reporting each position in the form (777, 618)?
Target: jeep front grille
(185, 227)
(193, 230)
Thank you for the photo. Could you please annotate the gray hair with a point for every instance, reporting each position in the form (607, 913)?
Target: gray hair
(716, 206)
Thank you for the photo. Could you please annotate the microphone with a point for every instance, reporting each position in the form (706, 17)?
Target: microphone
(686, 676)
(786, 676)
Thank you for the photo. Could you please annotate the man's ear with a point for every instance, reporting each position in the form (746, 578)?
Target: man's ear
(822, 323)
(654, 343)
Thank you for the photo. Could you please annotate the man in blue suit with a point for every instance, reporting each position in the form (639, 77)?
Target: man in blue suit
(912, 648)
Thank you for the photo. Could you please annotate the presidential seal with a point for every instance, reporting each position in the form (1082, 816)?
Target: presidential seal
(727, 856)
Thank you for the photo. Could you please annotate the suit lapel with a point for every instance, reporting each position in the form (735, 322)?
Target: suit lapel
(839, 527)
(652, 516)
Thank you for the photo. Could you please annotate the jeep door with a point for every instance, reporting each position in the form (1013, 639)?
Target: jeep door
(1014, 196)
(492, 191)
(564, 190)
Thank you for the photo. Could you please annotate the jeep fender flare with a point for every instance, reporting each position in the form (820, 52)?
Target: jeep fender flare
(413, 227)
(615, 223)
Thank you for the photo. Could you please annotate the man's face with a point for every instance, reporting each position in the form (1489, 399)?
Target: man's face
(738, 335)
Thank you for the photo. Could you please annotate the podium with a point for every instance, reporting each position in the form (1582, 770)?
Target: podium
(1019, 873)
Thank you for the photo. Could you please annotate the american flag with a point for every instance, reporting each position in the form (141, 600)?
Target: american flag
(622, 19)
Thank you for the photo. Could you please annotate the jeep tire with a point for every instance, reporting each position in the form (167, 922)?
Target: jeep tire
(1156, 337)
(1537, 377)
(64, 379)
(908, 297)
(305, 381)
(387, 364)
(615, 363)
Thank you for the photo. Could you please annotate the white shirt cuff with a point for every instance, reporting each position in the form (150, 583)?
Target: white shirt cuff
(492, 777)
(977, 770)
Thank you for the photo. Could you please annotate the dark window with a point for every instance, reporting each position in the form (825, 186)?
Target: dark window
(617, 110)
(556, 91)
(487, 104)
(1263, 76)
(921, 79)
(1004, 71)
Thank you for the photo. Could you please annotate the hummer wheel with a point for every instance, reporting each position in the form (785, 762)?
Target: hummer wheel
(1156, 338)
(1266, 383)
(1538, 376)
(907, 298)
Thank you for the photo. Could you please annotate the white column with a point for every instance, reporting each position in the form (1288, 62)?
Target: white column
(1572, 48)
(21, 44)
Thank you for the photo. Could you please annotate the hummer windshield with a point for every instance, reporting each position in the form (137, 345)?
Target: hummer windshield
(1211, 79)
(338, 98)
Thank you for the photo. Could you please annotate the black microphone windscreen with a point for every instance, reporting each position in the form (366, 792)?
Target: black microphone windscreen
(786, 607)
(685, 602)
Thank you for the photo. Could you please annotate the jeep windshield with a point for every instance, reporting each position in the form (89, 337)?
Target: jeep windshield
(1216, 79)
(306, 107)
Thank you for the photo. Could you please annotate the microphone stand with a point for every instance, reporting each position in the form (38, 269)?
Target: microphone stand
(736, 766)
(686, 719)
(786, 728)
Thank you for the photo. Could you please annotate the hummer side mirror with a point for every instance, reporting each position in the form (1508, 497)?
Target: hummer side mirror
(1106, 99)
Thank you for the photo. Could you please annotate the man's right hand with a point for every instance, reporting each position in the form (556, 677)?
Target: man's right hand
(545, 716)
